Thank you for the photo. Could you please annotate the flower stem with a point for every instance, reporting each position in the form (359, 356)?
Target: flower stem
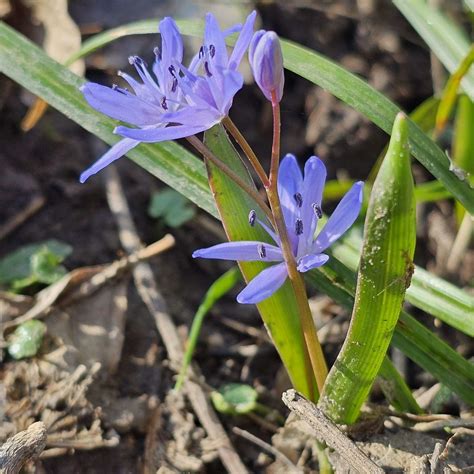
(247, 149)
(315, 351)
(252, 192)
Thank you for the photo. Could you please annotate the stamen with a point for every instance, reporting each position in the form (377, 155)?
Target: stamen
(174, 85)
(317, 210)
(252, 217)
(137, 61)
(201, 52)
(212, 50)
(172, 70)
(262, 252)
(298, 198)
(206, 67)
(115, 87)
(164, 104)
(157, 52)
(299, 226)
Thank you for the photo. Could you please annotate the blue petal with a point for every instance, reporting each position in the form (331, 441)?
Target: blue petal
(232, 83)
(254, 43)
(341, 219)
(243, 42)
(290, 181)
(193, 116)
(125, 107)
(264, 284)
(171, 42)
(153, 135)
(116, 152)
(312, 261)
(214, 36)
(313, 185)
(241, 251)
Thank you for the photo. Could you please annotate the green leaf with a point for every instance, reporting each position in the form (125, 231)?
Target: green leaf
(396, 390)
(448, 42)
(235, 399)
(216, 291)
(279, 312)
(172, 207)
(26, 340)
(302, 61)
(412, 338)
(450, 92)
(34, 263)
(385, 272)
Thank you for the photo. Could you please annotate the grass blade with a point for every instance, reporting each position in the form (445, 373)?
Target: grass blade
(385, 272)
(216, 291)
(447, 41)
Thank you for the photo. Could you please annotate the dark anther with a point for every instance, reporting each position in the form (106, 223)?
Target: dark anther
(317, 210)
(299, 226)
(115, 87)
(261, 251)
(212, 50)
(298, 199)
(201, 52)
(164, 104)
(174, 85)
(172, 70)
(252, 217)
(206, 67)
(157, 52)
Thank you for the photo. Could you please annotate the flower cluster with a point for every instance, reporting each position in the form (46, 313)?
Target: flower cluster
(178, 102)
(300, 198)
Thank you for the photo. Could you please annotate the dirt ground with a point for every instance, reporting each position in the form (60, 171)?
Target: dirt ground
(123, 417)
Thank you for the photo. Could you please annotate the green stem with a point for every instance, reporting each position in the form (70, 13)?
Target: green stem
(247, 149)
(315, 352)
(252, 192)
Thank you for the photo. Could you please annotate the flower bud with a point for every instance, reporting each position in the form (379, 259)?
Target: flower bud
(266, 61)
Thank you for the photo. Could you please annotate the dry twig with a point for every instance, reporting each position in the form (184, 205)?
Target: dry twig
(325, 430)
(21, 448)
(148, 291)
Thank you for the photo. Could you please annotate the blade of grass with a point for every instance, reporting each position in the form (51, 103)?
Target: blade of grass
(396, 390)
(385, 272)
(216, 291)
(448, 42)
(450, 92)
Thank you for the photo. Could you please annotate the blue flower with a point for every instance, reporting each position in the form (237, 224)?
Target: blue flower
(178, 102)
(266, 60)
(301, 204)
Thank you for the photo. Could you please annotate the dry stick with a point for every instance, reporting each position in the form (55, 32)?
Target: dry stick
(21, 448)
(148, 291)
(461, 243)
(325, 430)
(267, 447)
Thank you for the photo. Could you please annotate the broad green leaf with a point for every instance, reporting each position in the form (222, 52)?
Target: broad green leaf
(385, 272)
(26, 340)
(216, 291)
(396, 390)
(450, 92)
(279, 312)
(235, 399)
(447, 40)
(171, 207)
(411, 337)
(321, 71)
(34, 263)
(427, 291)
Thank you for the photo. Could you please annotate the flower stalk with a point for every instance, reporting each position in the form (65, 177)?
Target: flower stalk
(315, 352)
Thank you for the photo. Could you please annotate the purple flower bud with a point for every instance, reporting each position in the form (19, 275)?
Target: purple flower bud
(266, 61)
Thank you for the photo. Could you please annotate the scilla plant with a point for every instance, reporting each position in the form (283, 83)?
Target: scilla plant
(284, 239)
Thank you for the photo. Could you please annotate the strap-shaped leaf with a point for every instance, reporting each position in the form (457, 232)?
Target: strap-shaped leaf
(279, 312)
(385, 272)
